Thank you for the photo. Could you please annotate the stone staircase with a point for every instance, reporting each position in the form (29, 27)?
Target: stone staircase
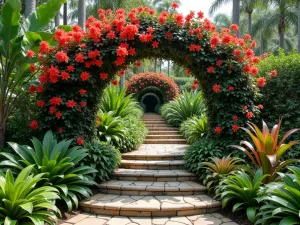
(151, 181)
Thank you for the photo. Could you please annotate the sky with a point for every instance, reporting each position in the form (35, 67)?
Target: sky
(202, 5)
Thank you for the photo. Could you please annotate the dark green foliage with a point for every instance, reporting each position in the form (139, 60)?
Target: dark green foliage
(110, 129)
(280, 96)
(135, 134)
(59, 162)
(183, 107)
(103, 157)
(194, 128)
(151, 89)
(199, 152)
(184, 83)
(23, 203)
(282, 201)
(115, 100)
(243, 190)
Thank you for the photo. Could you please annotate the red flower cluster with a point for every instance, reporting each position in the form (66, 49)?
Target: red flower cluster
(140, 81)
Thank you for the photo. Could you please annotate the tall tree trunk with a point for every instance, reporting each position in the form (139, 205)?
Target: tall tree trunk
(2, 126)
(65, 14)
(261, 47)
(122, 81)
(236, 12)
(168, 68)
(155, 64)
(81, 13)
(299, 26)
(30, 6)
(57, 19)
(281, 30)
(160, 65)
(250, 23)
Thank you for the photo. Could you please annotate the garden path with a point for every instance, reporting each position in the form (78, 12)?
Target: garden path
(151, 187)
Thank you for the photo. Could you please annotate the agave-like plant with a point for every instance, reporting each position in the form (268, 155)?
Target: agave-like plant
(243, 191)
(194, 128)
(282, 201)
(59, 163)
(115, 100)
(188, 104)
(110, 129)
(22, 203)
(267, 150)
(220, 168)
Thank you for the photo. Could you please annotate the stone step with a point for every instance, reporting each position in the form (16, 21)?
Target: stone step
(162, 128)
(149, 157)
(165, 141)
(164, 132)
(146, 206)
(173, 136)
(153, 175)
(157, 125)
(154, 165)
(148, 188)
(154, 121)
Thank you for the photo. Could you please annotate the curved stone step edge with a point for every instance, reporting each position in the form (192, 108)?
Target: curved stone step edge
(153, 157)
(148, 205)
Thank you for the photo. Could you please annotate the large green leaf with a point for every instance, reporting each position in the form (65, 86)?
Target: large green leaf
(40, 19)
(10, 17)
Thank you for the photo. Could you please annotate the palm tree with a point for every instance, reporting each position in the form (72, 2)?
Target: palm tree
(298, 25)
(283, 16)
(65, 15)
(235, 9)
(81, 13)
(57, 19)
(30, 6)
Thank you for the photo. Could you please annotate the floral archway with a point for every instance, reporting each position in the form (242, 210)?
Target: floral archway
(82, 64)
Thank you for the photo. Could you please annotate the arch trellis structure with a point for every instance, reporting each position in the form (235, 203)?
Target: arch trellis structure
(147, 95)
(82, 64)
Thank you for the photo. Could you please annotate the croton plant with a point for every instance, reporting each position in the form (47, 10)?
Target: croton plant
(76, 70)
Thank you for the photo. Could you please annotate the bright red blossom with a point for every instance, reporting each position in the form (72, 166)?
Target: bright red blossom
(174, 5)
(61, 56)
(70, 68)
(34, 125)
(261, 81)
(79, 57)
(58, 115)
(115, 82)
(60, 130)
(218, 130)
(30, 54)
(155, 44)
(82, 92)
(230, 88)
(273, 73)
(103, 76)
(84, 76)
(219, 63)
(32, 89)
(71, 104)
(249, 115)
(80, 141)
(217, 88)
(235, 127)
(235, 118)
(32, 68)
(40, 103)
(210, 69)
(64, 75)
(260, 106)
(55, 101)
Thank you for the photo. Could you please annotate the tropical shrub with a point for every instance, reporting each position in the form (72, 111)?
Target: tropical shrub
(242, 190)
(139, 82)
(135, 134)
(110, 129)
(194, 128)
(218, 168)
(188, 104)
(184, 83)
(116, 101)
(282, 201)
(199, 152)
(23, 203)
(80, 64)
(281, 94)
(59, 163)
(18, 36)
(103, 157)
(267, 151)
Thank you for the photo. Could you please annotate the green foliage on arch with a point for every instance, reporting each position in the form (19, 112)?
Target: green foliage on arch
(76, 71)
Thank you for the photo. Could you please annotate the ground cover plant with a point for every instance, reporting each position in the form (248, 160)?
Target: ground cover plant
(194, 128)
(103, 157)
(187, 104)
(59, 163)
(23, 203)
